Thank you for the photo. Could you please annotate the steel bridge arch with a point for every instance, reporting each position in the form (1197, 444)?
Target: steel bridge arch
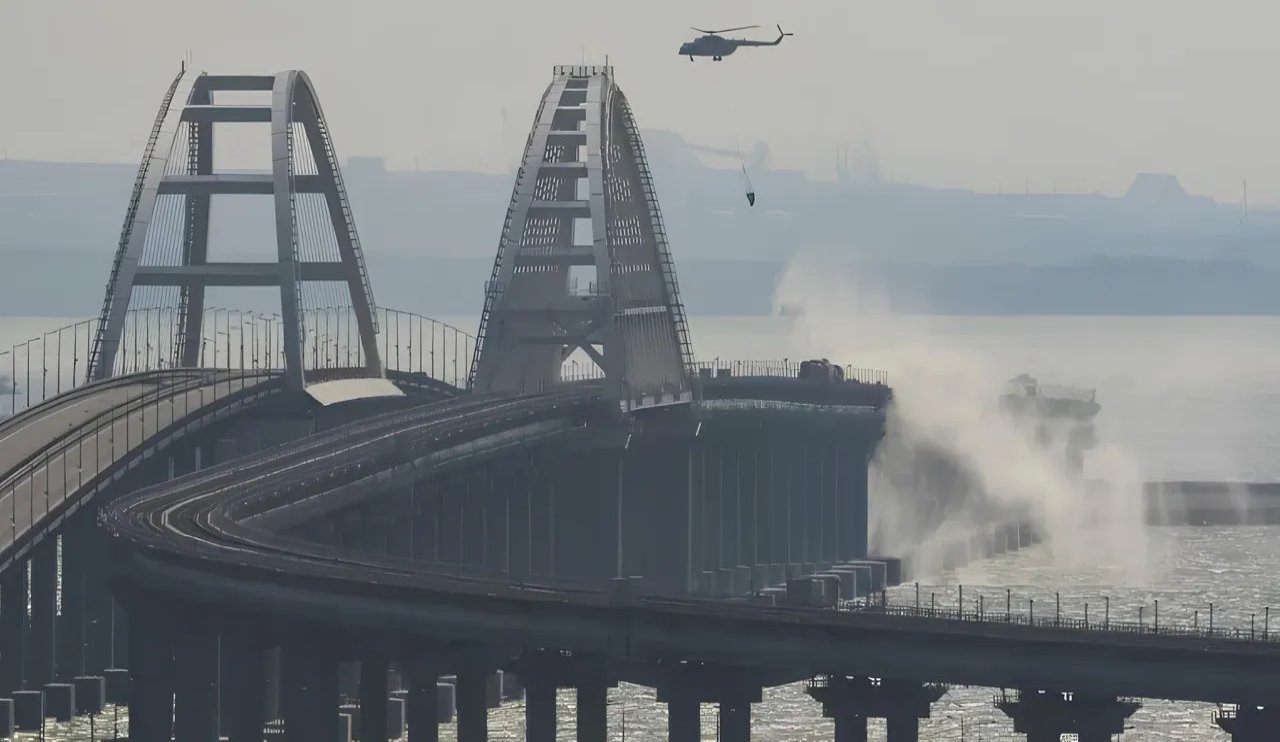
(300, 140)
(629, 320)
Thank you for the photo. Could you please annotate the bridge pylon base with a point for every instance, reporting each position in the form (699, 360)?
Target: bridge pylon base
(1049, 715)
(850, 701)
(1249, 723)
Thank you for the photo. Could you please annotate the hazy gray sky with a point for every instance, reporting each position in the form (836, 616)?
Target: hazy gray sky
(969, 93)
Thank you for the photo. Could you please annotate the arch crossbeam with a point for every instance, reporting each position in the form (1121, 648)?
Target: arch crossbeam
(583, 262)
(163, 259)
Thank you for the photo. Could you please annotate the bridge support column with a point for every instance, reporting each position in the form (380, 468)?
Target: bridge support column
(540, 493)
(493, 499)
(472, 540)
(797, 512)
(195, 661)
(1248, 723)
(685, 687)
(684, 719)
(853, 700)
(656, 498)
(400, 529)
(13, 627)
(449, 519)
(708, 517)
(829, 497)
(519, 489)
(543, 672)
(748, 503)
(764, 504)
(593, 709)
(540, 709)
(730, 482)
(422, 715)
(586, 516)
(71, 633)
(735, 721)
(473, 711)
(857, 470)
(779, 498)
(151, 677)
(373, 698)
(902, 728)
(1048, 715)
(44, 597)
(425, 542)
(244, 685)
(850, 727)
(309, 692)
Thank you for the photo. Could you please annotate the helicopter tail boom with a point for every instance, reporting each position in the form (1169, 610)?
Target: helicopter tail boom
(781, 35)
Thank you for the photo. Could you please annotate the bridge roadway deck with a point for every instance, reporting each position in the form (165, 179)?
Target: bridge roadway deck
(195, 537)
(52, 451)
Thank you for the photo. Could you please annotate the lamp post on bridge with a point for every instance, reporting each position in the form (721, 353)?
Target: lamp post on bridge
(28, 385)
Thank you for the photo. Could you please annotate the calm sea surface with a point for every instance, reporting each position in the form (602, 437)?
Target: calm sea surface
(1182, 398)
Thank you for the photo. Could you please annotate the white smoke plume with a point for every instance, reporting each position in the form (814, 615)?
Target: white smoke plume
(952, 463)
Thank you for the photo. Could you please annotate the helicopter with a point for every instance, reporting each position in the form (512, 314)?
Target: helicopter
(718, 47)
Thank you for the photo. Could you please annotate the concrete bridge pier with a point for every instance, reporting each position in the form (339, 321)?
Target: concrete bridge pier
(684, 718)
(243, 670)
(849, 496)
(374, 692)
(13, 627)
(706, 508)
(544, 672)
(309, 688)
(735, 720)
(422, 717)
(424, 542)
(850, 701)
(44, 608)
(1249, 723)
(76, 542)
(656, 496)
(589, 492)
(472, 706)
(685, 687)
(195, 663)
(593, 709)
(151, 670)
(540, 709)
(1047, 715)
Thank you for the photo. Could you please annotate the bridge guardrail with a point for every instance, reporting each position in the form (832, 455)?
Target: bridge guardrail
(783, 369)
(55, 361)
(879, 604)
(237, 388)
(736, 369)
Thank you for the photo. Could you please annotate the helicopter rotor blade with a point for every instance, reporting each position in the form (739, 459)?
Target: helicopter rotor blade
(724, 30)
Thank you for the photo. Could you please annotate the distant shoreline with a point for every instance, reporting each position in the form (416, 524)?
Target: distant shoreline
(71, 283)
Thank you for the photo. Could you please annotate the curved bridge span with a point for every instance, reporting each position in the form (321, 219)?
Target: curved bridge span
(213, 545)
